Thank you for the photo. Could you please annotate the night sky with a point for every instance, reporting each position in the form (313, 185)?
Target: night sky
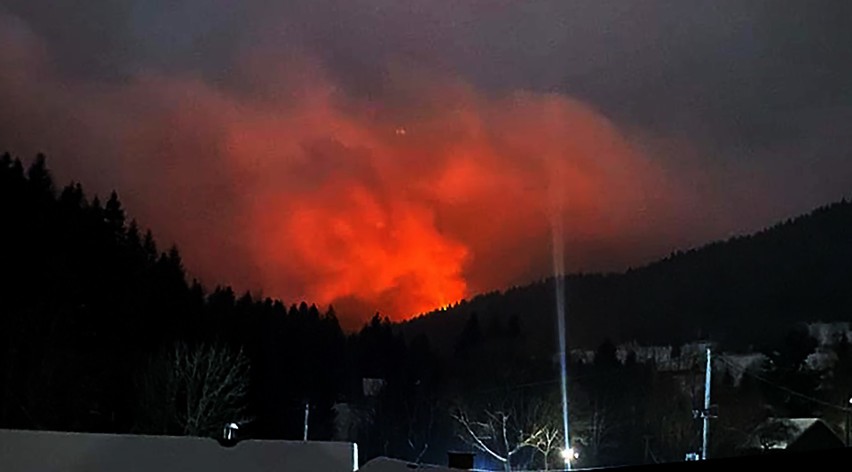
(400, 155)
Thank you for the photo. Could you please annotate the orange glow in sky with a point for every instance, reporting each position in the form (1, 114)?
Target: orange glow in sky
(401, 203)
(344, 212)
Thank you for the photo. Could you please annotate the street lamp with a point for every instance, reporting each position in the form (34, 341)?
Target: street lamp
(569, 454)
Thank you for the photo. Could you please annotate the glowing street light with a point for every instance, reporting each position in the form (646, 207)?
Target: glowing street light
(569, 454)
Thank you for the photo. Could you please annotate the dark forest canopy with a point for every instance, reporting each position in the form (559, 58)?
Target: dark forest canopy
(740, 292)
(730, 291)
(100, 331)
(90, 298)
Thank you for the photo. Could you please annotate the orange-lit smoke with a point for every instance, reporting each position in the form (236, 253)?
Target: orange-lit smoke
(399, 203)
(403, 209)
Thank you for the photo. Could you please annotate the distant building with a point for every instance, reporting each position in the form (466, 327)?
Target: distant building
(579, 356)
(828, 334)
(793, 434)
(821, 360)
(695, 349)
(372, 387)
(690, 355)
(659, 355)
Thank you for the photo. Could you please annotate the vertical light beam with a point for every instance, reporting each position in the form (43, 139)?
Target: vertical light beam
(559, 274)
(559, 283)
(705, 430)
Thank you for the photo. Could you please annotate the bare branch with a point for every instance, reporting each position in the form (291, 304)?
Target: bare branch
(504, 430)
(472, 436)
(195, 390)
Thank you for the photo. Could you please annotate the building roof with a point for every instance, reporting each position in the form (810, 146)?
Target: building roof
(52, 451)
(790, 433)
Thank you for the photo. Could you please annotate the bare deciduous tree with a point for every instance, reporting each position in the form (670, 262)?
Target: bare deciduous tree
(595, 428)
(547, 443)
(595, 425)
(503, 431)
(194, 390)
(421, 419)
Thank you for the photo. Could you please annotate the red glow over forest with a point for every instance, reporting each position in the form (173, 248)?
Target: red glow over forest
(399, 203)
(350, 210)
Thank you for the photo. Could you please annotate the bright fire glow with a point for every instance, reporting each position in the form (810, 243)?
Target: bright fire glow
(405, 226)
(309, 193)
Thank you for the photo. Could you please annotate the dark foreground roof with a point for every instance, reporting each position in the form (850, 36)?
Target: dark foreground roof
(51, 451)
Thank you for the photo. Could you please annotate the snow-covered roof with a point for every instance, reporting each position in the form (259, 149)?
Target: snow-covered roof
(778, 433)
(51, 451)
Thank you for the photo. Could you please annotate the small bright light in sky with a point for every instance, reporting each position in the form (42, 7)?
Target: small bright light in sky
(400, 131)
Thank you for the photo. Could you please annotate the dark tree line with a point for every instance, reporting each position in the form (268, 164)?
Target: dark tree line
(90, 305)
(741, 292)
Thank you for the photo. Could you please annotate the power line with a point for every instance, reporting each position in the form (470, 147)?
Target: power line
(537, 383)
(745, 371)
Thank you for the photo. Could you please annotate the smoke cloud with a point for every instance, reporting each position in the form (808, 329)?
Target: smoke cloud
(380, 171)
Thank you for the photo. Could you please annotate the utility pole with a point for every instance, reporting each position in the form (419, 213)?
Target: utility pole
(307, 409)
(848, 421)
(706, 413)
(647, 438)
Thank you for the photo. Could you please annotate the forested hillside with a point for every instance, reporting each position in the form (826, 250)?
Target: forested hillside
(744, 291)
(93, 315)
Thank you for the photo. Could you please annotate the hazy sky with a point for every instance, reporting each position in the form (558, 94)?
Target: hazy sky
(398, 155)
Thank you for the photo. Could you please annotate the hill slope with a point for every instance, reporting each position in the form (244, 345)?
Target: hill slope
(739, 292)
(88, 303)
